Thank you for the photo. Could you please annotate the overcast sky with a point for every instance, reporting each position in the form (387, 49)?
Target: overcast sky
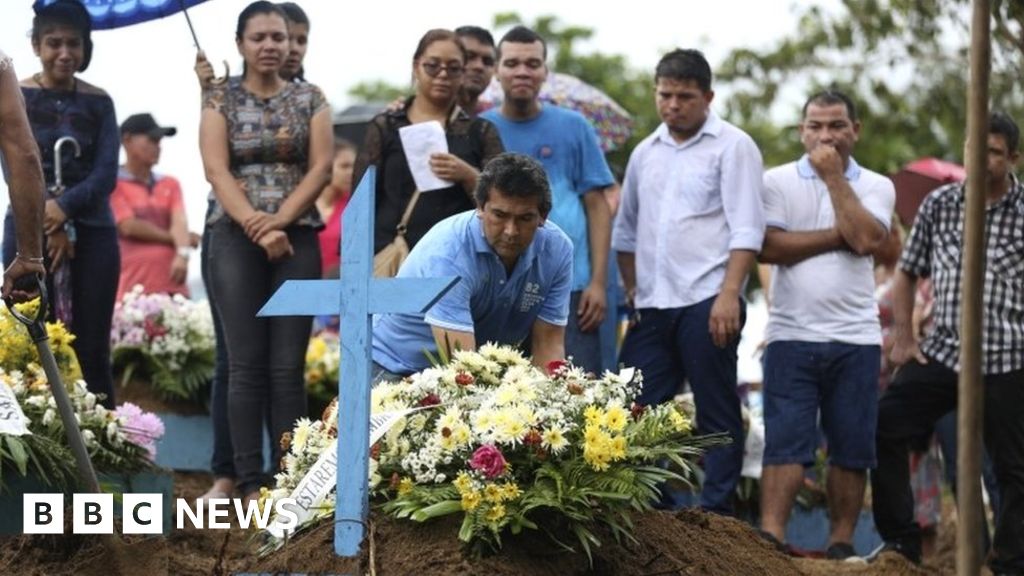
(148, 67)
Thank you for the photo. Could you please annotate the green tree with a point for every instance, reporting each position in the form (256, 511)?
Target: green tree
(377, 91)
(905, 62)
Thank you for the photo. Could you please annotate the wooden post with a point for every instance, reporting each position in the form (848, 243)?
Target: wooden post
(357, 295)
(971, 393)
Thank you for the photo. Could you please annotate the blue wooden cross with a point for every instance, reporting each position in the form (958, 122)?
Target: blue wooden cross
(357, 295)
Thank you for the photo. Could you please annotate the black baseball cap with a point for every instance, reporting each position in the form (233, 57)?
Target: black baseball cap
(145, 124)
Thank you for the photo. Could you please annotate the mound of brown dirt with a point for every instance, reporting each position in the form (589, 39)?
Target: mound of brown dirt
(687, 542)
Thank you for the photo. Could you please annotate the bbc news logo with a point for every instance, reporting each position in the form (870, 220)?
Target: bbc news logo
(144, 513)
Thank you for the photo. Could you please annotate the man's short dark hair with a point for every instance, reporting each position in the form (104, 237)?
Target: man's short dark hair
(523, 35)
(832, 97)
(481, 35)
(516, 176)
(687, 64)
(1001, 123)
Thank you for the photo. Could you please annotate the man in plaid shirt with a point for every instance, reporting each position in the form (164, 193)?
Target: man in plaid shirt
(925, 387)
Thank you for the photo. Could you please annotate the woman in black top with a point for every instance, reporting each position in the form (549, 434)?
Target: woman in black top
(438, 66)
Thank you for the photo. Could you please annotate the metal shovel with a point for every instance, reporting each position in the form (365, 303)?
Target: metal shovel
(37, 330)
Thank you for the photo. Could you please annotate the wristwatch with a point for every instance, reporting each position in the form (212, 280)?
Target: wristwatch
(184, 252)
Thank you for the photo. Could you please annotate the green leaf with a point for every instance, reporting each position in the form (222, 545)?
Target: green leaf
(436, 510)
(18, 454)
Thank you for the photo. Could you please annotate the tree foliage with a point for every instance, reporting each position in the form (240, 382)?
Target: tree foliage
(905, 62)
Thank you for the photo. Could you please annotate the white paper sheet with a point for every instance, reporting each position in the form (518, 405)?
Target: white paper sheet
(12, 419)
(420, 141)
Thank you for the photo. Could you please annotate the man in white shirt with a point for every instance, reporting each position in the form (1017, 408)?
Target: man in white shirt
(687, 234)
(826, 215)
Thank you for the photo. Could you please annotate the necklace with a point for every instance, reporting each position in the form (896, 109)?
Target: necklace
(38, 77)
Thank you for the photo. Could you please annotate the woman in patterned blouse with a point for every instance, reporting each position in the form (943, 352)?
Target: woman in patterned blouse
(81, 241)
(266, 145)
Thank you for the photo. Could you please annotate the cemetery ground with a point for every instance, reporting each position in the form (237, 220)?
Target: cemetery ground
(688, 542)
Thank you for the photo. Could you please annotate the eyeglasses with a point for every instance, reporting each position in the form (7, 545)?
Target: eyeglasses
(433, 69)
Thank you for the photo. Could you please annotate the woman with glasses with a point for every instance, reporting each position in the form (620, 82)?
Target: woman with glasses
(266, 145)
(438, 66)
(81, 251)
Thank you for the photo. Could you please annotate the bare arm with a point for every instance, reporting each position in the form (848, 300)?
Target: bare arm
(547, 341)
(905, 347)
(142, 231)
(861, 231)
(594, 300)
(213, 146)
(724, 320)
(627, 268)
(448, 341)
(789, 248)
(25, 188)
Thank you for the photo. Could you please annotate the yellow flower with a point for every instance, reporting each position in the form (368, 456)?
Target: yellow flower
(592, 433)
(497, 512)
(316, 350)
(615, 418)
(618, 447)
(405, 486)
(680, 422)
(511, 491)
(493, 493)
(593, 415)
(470, 500)
(461, 434)
(463, 482)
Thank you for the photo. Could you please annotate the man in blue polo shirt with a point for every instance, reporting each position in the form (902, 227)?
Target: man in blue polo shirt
(515, 271)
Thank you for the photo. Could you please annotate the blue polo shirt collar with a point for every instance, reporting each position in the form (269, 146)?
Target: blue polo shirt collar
(806, 171)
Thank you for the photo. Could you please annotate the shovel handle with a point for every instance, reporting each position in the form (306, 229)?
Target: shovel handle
(36, 326)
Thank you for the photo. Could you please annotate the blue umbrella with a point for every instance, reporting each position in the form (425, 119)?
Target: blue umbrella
(109, 14)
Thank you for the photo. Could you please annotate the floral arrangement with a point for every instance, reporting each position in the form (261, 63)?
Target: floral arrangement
(18, 352)
(165, 339)
(323, 361)
(118, 441)
(508, 447)
(115, 440)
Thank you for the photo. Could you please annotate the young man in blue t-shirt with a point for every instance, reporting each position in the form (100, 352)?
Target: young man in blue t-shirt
(566, 144)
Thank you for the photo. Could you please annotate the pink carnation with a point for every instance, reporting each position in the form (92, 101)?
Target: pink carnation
(489, 460)
(142, 428)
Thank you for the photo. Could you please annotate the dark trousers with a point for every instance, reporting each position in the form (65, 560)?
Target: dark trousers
(266, 356)
(673, 345)
(918, 396)
(222, 462)
(95, 270)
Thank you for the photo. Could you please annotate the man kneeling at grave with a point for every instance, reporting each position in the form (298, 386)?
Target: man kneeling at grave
(515, 273)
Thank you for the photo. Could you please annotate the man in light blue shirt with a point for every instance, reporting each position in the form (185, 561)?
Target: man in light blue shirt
(688, 231)
(515, 271)
(566, 144)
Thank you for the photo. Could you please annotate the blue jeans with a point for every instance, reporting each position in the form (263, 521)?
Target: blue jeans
(222, 461)
(95, 270)
(266, 356)
(673, 345)
(839, 380)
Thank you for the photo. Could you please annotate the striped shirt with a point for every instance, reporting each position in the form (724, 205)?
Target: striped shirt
(934, 250)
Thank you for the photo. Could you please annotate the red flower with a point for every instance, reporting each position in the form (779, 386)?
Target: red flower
(532, 438)
(375, 451)
(464, 379)
(488, 460)
(429, 400)
(637, 410)
(153, 329)
(556, 366)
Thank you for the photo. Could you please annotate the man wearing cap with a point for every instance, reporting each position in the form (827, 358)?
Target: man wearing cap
(150, 214)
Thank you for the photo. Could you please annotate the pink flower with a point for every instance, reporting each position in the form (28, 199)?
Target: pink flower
(489, 460)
